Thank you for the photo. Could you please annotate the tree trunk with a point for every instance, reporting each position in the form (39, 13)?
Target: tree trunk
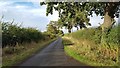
(106, 26)
(108, 20)
(69, 30)
(77, 28)
(69, 27)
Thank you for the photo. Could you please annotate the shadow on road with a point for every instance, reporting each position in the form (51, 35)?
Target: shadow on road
(67, 42)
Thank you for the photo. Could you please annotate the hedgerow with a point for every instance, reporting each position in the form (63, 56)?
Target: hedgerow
(13, 34)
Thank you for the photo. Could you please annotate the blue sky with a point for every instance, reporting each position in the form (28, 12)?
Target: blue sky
(31, 14)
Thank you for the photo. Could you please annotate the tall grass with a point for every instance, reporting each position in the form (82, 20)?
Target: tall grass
(87, 46)
(22, 52)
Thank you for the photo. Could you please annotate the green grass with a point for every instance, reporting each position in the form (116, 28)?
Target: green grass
(87, 48)
(80, 58)
(85, 55)
(26, 52)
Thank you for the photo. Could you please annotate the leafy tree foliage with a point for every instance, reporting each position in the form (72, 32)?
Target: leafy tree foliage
(53, 29)
(83, 9)
(13, 34)
(70, 14)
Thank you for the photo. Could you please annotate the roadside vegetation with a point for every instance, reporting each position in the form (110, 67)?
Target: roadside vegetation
(19, 43)
(85, 46)
(13, 56)
(93, 46)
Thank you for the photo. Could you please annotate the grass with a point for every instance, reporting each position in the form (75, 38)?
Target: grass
(84, 54)
(78, 57)
(86, 47)
(22, 52)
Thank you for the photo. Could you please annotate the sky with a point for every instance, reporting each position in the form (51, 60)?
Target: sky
(29, 13)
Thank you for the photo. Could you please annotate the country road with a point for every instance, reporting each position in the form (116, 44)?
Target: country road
(52, 55)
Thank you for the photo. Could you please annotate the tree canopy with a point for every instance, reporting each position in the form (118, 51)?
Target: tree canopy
(74, 14)
(69, 14)
(53, 29)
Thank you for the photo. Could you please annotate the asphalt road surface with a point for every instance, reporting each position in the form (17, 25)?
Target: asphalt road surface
(52, 55)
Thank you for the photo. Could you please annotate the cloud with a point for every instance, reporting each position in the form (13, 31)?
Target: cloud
(54, 17)
(21, 0)
(30, 13)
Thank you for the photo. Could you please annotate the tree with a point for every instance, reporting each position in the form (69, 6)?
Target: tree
(53, 29)
(109, 10)
(69, 17)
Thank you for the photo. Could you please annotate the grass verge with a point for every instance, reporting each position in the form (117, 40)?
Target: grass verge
(89, 53)
(88, 48)
(23, 52)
